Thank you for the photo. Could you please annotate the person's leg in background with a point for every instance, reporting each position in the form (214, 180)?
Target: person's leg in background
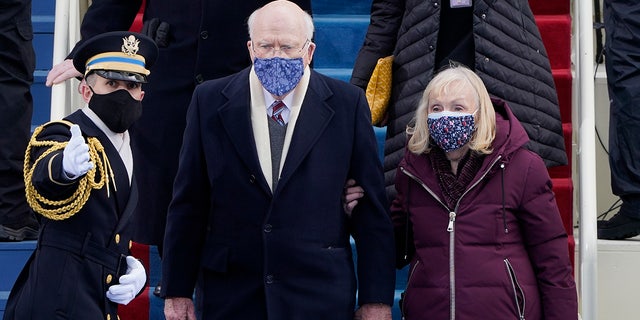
(17, 64)
(622, 60)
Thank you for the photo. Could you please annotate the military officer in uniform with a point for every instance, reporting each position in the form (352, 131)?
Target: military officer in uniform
(79, 176)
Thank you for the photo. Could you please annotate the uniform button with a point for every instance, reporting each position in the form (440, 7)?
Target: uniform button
(130, 244)
(435, 4)
(486, 59)
(199, 78)
(484, 16)
(108, 316)
(252, 179)
(269, 279)
(117, 238)
(109, 278)
(204, 34)
(431, 48)
(267, 228)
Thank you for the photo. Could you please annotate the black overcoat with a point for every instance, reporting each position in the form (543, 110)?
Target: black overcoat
(286, 254)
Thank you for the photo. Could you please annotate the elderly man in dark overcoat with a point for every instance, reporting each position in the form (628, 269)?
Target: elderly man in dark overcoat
(256, 224)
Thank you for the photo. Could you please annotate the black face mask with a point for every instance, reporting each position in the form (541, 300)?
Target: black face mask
(118, 109)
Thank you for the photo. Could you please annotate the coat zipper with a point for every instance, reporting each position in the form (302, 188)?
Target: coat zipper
(451, 230)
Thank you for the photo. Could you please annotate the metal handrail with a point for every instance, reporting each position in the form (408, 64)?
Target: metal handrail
(586, 158)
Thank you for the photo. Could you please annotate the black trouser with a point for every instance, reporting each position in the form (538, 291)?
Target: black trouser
(622, 26)
(17, 64)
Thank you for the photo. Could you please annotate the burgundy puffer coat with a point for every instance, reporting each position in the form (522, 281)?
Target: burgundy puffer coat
(501, 253)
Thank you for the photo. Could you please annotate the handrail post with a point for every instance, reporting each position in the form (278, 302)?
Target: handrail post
(586, 156)
(64, 96)
(60, 39)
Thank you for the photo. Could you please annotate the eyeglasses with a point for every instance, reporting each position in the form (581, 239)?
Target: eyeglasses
(269, 50)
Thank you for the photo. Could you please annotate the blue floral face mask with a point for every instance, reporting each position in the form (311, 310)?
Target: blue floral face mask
(279, 75)
(450, 130)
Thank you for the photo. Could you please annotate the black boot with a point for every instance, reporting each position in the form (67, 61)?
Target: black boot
(19, 231)
(619, 227)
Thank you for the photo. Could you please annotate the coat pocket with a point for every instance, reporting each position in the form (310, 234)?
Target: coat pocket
(215, 258)
(403, 297)
(516, 290)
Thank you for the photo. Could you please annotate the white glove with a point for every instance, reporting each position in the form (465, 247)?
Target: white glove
(130, 283)
(75, 157)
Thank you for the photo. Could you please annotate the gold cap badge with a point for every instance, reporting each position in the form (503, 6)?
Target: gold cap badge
(130, 45)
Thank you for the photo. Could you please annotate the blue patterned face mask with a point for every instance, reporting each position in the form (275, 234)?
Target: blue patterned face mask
(279, 75)
(450, 130)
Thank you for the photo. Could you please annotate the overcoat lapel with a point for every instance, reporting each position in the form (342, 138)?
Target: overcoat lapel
(315, 115)
(235, 117)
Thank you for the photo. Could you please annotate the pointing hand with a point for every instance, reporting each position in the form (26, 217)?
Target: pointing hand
(75, 157)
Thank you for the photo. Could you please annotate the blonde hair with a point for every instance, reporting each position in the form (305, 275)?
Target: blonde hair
(453, 81)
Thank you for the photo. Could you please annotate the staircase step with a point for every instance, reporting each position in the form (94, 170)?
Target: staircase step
(341, 7)
(550, 7)
(618, 278)
(566, 170)
(343, 74)
(563, 189)
(556, 36)
(42, 16)
(563, 79)
(41, 99)
(338, 39)
(13, 256)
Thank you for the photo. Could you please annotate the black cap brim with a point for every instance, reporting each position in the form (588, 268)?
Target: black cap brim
(121, 75)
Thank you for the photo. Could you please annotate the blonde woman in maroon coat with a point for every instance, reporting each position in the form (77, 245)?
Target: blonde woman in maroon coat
(475, 215)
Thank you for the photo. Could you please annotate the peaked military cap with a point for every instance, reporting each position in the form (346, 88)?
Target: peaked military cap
(117, 55)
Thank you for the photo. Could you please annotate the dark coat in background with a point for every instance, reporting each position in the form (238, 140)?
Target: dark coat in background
(66, 276)
(506, 255)
(286, 254)
(198, 40)
(509, 57)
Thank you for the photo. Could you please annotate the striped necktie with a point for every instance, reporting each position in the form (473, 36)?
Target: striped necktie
(277, 107)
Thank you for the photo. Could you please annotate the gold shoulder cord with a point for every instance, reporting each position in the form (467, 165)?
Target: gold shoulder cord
(63, 209)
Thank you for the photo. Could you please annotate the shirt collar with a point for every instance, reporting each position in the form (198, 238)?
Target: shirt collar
(268, 98)
(113, 136)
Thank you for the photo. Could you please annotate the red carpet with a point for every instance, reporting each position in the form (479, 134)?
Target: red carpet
(138, 309)
(554, 21)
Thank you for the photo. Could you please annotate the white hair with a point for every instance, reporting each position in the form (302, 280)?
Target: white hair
(308, 20)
